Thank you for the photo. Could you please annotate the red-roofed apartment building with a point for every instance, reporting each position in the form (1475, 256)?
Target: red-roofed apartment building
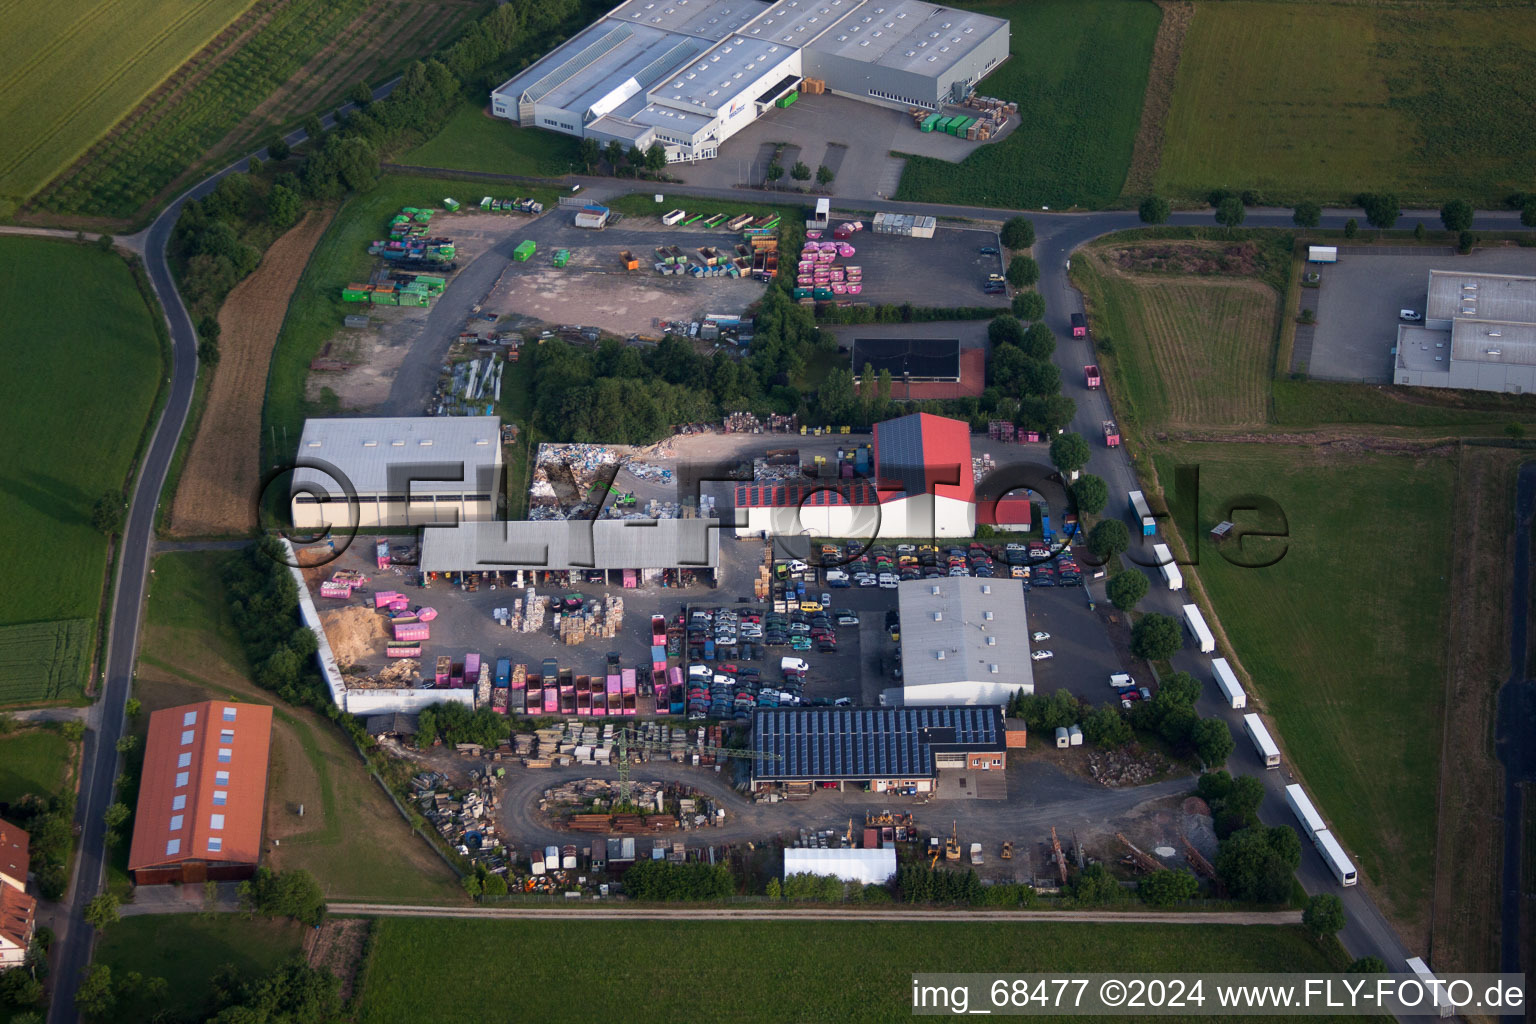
(924, 487)
(202, 793)
(18, 910)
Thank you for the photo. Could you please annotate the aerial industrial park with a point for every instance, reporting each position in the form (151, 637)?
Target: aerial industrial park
(502, 487)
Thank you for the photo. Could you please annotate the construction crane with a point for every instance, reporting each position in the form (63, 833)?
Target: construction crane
(1143, 861)
(625, 739)
(1061, 859)
(952, 844)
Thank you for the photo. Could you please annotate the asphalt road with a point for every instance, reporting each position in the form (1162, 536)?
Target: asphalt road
(1058, 234)
(609, 912)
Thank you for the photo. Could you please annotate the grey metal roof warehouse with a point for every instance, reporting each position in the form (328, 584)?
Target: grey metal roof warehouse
(365, 449)
(827, 744)
(572, 544)
(1479, 333)
(963, 632)
(689, 74)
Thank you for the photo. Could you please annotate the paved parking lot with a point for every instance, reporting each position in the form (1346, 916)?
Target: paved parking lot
(945, 270)
(1360, 296)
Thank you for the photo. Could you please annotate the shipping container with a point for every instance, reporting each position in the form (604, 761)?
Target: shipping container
(413, 631)
(1091, 376)
(1079, 325)
(928, 123)
(673, 216)
(1204, 639)
(1170, 570)
(785, 101)
(1268, 752)
(1142, 514)
(503, 675)
(524, 251)
(1322, 254)
(1226, 681)
(402, 649)
(1111, 434)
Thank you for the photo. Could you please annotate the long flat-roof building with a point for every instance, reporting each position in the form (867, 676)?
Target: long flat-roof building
(403, 471)
(202, 793)
(1479, 332)
(689, 74)
(964, 640)
(888, 749)
(646, 546)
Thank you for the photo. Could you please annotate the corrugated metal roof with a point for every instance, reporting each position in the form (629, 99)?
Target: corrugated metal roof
(573, 544)
(955, 623)
(872, 867)
(203, 788)
(925, 454)
(365, 448)
(868, 743)
(833, 493)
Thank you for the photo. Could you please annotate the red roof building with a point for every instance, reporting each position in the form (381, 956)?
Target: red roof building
(924, 454)
(202, 793)
(1010, 510)
(18, 909)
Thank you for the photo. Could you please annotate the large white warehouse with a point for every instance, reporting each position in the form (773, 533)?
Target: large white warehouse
(964, 640)
(689, 74)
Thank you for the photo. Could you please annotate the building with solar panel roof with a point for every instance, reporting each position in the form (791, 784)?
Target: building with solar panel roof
(888, 749)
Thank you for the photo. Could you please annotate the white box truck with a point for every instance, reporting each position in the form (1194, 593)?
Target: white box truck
(1204, 639)
(1226, 681)
(1171, 573)
(1262, 741)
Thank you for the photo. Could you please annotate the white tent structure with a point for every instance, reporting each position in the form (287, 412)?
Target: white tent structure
(872, 867)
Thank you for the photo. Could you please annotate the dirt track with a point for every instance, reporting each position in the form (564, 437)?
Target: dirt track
(217, 492)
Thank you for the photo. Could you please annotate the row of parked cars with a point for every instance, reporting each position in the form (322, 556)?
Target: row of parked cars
(728, 690)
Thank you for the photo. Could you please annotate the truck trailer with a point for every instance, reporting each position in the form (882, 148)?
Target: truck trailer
(1226, 681)
(1262, 742)
(1091, 376)
(1079, 325)
(1142, 513)
(1170, 571)
(1202, 633)
(1111, 434)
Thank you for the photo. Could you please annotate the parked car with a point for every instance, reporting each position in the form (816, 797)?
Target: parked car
(842, 702)
(988, 250)
(1411, 316)
(1039, 635)
(1042, 655)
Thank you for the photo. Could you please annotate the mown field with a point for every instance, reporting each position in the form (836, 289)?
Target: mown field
(1187, 351)
(189, 955)
(1078, 70)
(83, 363)
(801, 971)
(290, 57)
(350, 838)
(472, 140)
(32, 760)
(1343, 637)
(1328, 100)
(75, 67)
(316, 311)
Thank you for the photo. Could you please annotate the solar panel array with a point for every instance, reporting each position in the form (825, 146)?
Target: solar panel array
(866, 743)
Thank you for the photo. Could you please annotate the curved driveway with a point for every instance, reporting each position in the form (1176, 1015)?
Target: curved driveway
(1057, 235)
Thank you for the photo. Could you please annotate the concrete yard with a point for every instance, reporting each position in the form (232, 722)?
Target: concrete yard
(948, 269)
(1360, 296)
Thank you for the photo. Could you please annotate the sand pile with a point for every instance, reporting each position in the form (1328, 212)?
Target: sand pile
(356, 634)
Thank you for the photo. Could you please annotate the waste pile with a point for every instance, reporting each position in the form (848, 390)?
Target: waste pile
(593, 621)
(466, 820)
(402, 673)
(528, 612)
(981, 465)
(746, 422)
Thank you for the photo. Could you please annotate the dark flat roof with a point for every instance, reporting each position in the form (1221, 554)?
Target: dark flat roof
(869, 743)
(923, 358)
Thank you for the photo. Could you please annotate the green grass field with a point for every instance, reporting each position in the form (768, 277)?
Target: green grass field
(1078, 70)
(1343, 638)
(315, 313)
(800, 971)
(188, 952)
(1187, 351)
(474, 141)
(32, 760)
(78, 66)
(83, 366)
(351, 838)
(1315, 402)
(1330, 100)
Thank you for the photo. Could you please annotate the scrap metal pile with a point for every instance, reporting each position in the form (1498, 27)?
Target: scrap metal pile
(468, 823)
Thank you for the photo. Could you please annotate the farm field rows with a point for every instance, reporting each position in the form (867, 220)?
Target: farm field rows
(189, 955)
(800, 970)
(1078, 70)
(350, 838)
(78, 66)
(281, 66)
(84, 363)
(472, 140)
(1330, 100)
(1343, 636)
(1190, 351)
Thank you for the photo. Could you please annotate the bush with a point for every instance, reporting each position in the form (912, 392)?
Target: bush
(1252, 868)
(1165, 888)
(1154, 210)
(1465, 241)
(1307, 214)
(800, 172)
(1023, 271)
(1018, 233)
(1127, 589)
(824, 175)
(293, 894)
(278, 149)
(1028, 306)
(107, 513)
(1156, 637)
(1231, 212)
(1351, 228)
(1367, 965)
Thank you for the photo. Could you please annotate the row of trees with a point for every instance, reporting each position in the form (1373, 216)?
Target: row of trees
(659, 881)
(264, 604)
(1382, 210)
(804, 887)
